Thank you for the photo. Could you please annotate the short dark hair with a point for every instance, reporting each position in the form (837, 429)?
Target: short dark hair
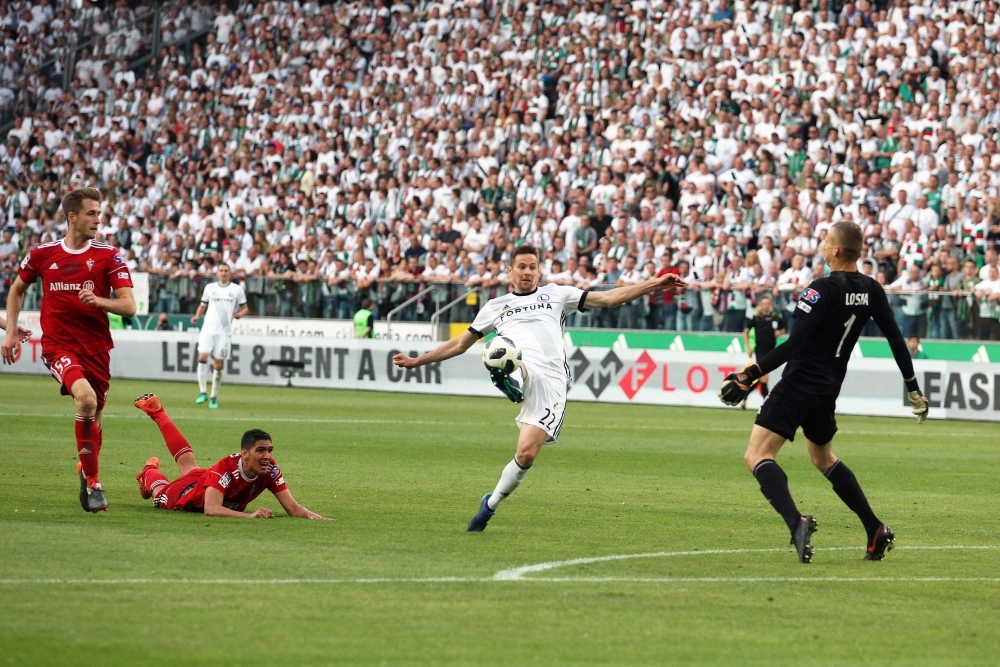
(252, 437)
(849, 237)
(526, 249)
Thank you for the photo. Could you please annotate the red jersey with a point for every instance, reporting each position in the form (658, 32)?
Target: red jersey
(237, 489)
(68, 323)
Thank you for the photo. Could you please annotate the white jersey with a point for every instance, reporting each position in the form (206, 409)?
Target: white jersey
(534, 322)
(221, 302)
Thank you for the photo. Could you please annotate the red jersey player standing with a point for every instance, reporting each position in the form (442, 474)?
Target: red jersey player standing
(78, 275)
(226, 488)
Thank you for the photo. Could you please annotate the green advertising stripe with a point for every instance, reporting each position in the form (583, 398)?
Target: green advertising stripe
(872, 348)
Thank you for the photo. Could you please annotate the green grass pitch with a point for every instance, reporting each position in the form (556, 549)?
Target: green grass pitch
(396, 580)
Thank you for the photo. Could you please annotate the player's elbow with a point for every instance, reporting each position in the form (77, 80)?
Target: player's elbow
(130, 308)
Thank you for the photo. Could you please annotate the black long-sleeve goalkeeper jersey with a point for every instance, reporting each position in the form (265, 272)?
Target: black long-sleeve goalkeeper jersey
(829, 317)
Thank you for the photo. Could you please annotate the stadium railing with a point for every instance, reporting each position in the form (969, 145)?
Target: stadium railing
(937, 315)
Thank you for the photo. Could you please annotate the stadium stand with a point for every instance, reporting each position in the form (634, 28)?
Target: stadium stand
(333, 152)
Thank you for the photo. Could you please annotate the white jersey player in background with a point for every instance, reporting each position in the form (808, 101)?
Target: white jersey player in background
(221, 303)
(533, 318)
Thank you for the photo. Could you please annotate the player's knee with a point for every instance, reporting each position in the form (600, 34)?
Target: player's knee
(86, 402)
(526, 457)
(821, 456)
(751, 458)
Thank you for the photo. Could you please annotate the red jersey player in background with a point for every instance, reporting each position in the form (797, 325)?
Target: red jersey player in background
(77, 276)
(226, 488)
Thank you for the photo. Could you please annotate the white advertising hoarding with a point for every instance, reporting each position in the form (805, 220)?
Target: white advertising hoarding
(658, 377)
(286, 327)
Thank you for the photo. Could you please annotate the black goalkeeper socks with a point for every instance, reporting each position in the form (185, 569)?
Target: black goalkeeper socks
(845, 485)
(774, 485)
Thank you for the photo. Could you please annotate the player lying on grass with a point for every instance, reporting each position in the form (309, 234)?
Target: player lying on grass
(23, 335)
(226, 488)
(533, 318)
(828, 321)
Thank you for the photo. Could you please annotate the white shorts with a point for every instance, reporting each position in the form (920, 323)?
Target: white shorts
(217, 345)
(544, 404)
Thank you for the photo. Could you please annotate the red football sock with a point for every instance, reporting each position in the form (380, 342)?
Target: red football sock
(99, 440)
(86, 447)
(176, 442)
(153, 477)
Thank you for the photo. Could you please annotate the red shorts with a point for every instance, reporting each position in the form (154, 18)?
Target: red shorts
(68, 367)
(183, 493)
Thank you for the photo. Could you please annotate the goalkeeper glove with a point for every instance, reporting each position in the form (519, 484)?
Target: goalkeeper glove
(917, 402)
(737, 386)
(510, 387)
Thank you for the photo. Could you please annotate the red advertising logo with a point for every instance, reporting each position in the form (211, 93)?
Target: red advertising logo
(637, 375)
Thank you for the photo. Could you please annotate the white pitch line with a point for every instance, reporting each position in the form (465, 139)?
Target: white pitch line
(486, 580)
(229, 582)
(749, 580)
(310, 420)
(315, 420)
(517, 574)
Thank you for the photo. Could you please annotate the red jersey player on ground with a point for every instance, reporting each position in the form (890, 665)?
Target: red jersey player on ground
(77, 276)
(226, 488)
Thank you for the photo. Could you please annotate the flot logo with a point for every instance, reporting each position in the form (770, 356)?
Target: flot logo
(611, 369)
(637, 375)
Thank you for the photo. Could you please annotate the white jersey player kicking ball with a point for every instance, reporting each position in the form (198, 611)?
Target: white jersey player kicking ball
(221, 303)
(533, 318)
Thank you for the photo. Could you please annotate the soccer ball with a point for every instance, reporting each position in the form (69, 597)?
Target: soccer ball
(502, 354)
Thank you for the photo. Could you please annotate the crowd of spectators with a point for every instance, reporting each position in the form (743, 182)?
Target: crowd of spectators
(335, 152)
(37, 36)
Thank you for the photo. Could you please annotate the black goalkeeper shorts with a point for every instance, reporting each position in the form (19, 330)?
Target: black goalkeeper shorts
(786, 409)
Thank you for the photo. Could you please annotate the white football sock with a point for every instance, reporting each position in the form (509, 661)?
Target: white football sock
(511, 477)
(203, 376)
(216, 381)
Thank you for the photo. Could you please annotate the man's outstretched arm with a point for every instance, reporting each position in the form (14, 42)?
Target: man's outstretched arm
(293, 508)
(454, 347)
(620, 295)
(214, 507)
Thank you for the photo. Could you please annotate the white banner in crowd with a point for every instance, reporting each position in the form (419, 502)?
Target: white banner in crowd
(140, 291)
(659, 377)
(303, 328)
(283, 327)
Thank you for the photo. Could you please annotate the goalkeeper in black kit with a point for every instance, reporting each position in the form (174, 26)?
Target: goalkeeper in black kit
(829, 317)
